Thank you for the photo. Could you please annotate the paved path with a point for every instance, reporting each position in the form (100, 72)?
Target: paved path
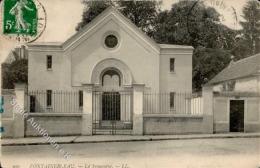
(188, 153)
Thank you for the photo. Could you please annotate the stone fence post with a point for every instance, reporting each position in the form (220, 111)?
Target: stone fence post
(87, 109)
(138, 90)
(18, 110)
(208, 122)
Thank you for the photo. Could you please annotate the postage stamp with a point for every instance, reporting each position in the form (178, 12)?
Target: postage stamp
(23, 20)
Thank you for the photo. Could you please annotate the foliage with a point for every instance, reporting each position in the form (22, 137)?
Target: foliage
(208, 62)
(6, 80)
(192, 23)
(15, 72)
(249, 41)
(142, 13)
(93, 8)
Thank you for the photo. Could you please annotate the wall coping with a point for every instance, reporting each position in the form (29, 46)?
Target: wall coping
(173, 115)
(20, 86)
(56, 114)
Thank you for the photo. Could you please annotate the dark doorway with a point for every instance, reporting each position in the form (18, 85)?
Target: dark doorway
(111, 106)
(236, 116)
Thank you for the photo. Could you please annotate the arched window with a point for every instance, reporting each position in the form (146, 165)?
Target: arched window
(111, 79)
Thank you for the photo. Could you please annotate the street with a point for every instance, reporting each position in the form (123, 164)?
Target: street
(202, 153)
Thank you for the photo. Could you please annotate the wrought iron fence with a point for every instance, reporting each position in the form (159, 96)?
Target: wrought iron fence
(55, 101)
(113, 106)
(173, 103)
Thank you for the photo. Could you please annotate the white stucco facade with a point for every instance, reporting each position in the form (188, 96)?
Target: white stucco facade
(247, 84)
(84, 56)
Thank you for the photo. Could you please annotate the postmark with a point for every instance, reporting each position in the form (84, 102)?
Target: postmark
(23, 20)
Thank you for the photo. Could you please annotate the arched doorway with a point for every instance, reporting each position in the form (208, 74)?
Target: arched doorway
(111, 82)
(112, 97)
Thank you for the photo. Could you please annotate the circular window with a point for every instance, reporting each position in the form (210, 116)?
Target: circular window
(111, 41)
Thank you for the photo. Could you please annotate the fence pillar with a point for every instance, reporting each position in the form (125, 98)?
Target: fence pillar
(258, 95)
(207, 95)
(138, 109)
(87, 109)
(258, 90)
(18, 110)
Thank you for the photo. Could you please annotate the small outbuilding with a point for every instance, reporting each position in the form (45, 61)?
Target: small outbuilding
(237, 96)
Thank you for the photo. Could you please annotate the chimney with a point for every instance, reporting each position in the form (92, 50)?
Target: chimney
(232, 62)
(22, 52)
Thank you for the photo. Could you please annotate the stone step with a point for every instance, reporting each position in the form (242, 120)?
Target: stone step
(112, 132)
(110, 125)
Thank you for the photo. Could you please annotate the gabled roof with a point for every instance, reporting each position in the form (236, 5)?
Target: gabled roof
(243, 68)
(110, 12)
(113, 13)
(17, 53)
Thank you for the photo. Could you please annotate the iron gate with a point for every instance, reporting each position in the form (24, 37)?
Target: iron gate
(112, 112)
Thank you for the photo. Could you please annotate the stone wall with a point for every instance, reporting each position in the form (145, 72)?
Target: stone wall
(8, 128)
(7, 116)
(55, 124)
(222, 113)
(173, 125)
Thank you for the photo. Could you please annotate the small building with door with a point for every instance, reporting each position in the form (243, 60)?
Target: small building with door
(236, 106)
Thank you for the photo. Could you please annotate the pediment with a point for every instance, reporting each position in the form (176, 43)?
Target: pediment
(111, 15)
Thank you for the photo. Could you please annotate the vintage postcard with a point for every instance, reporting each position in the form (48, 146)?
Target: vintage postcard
(130, 84)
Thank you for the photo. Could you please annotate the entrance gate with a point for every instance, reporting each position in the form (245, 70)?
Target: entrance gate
(112, 113)
(111, 106)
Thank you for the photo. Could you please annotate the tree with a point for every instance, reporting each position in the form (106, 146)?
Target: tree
(6, 80)
(92, 9)
(249, 41)
(141, 13)
(193, 23)
(208, 62)
(15, 72)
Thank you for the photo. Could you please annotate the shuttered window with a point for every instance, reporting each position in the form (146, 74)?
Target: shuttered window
(49, 61)
(172, 64)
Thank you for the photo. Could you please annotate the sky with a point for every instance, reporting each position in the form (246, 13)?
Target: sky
(64, 15)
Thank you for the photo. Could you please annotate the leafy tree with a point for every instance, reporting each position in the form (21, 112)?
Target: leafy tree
(15, 72)
(192, 23)
(249, 42)
(208, 62)
(92, 9)
(142, 13)
(6, 80)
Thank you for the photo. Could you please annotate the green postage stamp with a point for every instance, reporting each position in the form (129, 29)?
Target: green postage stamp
(23, 19)
(20, 17)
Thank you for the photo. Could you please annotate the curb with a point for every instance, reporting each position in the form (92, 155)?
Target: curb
(75, 141)
(165, 139)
